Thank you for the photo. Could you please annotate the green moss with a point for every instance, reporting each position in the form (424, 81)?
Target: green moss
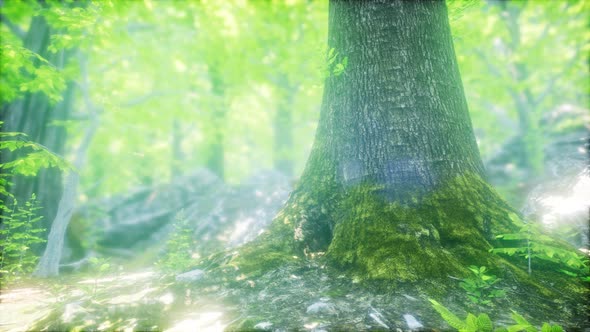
(380, 240)
(277, 246)
(445, 231)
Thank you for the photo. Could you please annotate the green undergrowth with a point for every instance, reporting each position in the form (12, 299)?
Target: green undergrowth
(483, 323)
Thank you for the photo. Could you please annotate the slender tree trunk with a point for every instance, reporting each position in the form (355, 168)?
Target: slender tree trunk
(177, 156)
(216, 153)
(49, 263)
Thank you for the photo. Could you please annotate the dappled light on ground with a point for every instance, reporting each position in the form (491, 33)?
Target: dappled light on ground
(205, 321)
(133, 277)
(21, 306)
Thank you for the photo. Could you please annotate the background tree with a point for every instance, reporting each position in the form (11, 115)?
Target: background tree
(38, 103)
(529, 78)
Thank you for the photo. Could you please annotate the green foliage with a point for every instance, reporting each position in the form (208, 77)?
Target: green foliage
(74, 24)
(335, 63)
(178, 254)
(534, 244)
(480, 288)
(99, 264)
(18, 232)
(523, 325)
(537, 51)
(25, 71)
(35, 157)
(472, 323)
(483, 323)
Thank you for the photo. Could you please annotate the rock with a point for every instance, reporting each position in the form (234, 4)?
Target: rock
(378, 318)
(321, 308)
(265, 326)
(219, 215)
(409, 297)
(412, 322)
(191, 276)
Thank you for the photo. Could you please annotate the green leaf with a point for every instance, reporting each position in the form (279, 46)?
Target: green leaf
(484, 323)
(522, 324)
(519, 319)
(471, 321)
(556, 328)
(448, 316)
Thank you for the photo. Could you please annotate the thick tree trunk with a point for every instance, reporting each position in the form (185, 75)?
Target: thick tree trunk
(393, 127)
(397, 117)
(34, 115)
(394, 187)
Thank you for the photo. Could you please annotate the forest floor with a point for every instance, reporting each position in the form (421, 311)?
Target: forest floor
(115, 301)
(149, 301)
(308, 297)
(22, 305)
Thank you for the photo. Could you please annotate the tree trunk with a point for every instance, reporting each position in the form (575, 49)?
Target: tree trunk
(394, 187)
(177, 157)
(215, 160)
(34, 115)
(529, 136)
(49, 263)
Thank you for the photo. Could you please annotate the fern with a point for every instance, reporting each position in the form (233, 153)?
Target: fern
(448, 316)
(540, 246)
(483, 323)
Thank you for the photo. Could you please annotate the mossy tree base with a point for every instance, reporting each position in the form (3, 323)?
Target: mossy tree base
(433, 236)
(428, 242)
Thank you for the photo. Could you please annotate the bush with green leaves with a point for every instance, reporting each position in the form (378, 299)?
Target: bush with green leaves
(178, 253)
(483, 323)
(480, 287)
(18, 232)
